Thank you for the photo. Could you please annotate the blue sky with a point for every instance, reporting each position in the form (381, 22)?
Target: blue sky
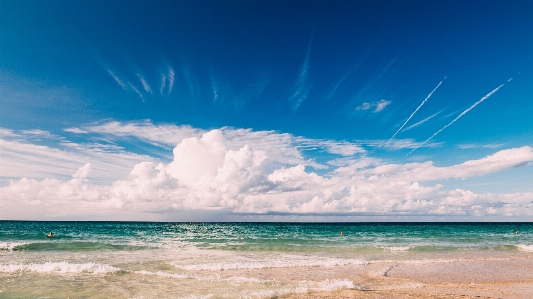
(304, 95)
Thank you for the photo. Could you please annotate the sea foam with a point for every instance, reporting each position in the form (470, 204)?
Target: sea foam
(8, 246)
(215, 277)
(61, 267)
(525, 247)
(397, 248)
(285, 263)
(304, 287)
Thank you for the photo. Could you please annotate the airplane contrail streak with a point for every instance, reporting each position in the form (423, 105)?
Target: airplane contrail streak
(459, 116)
(421, 104)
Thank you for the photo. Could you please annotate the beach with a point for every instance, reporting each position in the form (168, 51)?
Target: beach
(275, 260)
(459, 279)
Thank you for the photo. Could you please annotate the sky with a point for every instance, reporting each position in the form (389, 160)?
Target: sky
(241, 110)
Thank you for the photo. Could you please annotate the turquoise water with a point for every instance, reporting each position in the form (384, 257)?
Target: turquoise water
(231, 260)
(90, 236)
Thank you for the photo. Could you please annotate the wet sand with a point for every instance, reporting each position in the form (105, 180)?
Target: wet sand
(458, 279)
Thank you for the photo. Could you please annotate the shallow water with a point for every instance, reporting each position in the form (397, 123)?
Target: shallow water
(229, 260)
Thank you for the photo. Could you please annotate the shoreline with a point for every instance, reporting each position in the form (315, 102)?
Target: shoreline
(467, 279)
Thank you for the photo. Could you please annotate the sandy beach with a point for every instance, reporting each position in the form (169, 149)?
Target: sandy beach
(458, 279)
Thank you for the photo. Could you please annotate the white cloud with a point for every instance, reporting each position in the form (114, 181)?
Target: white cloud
(117, 79)
(473, 146)
(397, 144)
(379, 105)
(75, 130)
(281, 148)
(170, 79)
(144, 84)
(22, 159)
(216, 171)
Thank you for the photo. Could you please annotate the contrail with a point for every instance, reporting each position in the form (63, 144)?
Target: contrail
(421, 104)
(463, 113)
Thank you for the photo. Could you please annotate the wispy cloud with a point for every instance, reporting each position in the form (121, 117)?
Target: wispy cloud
(170, 77)
(26, 157)
(118, 80)
(421, 104)
(163, 83)
(302, 85)
(128, 86)
(75, 131)
(421, 122)
(144, 83)
(397, 144)
(167, 81)
(379, 106)
(134, 89)
(343, 148)
(474, 146)
(459, 116)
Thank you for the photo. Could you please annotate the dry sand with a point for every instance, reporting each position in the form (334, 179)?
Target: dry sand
(459, 279)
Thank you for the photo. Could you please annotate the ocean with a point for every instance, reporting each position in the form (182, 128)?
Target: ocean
(231, 260)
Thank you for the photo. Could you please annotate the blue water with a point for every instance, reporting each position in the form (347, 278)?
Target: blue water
(90, 236)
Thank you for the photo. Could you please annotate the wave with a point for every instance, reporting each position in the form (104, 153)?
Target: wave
(8, 246)
(397, 248)
(295, 262)
(524, 247)
(301, 286)
(60, 267)
(72, 246)
(305, 287)
(217, 277)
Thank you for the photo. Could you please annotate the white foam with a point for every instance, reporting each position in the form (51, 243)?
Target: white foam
(524, 247)
(284, 263)
(397, 248)
(61, 267)
(8, 246)
(304, 287)
(333, 285)
(215, 277)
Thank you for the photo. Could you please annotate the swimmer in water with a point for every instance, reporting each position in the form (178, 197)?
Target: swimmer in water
(516, 232)
(342, 234)
(50, 235)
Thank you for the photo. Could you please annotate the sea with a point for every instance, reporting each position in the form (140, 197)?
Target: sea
(231, 260)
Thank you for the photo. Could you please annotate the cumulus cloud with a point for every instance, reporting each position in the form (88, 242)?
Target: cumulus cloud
(211, 171)
(378, 106)
(281, 148)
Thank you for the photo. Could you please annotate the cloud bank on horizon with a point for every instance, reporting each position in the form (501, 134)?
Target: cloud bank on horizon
(242, 172)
